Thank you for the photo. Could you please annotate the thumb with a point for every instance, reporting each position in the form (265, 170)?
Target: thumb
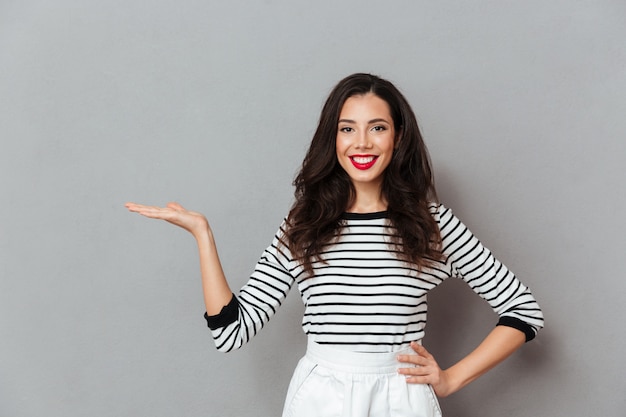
(175, 206)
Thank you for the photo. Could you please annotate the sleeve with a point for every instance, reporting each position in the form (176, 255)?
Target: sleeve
(257, 301)
(469, 260)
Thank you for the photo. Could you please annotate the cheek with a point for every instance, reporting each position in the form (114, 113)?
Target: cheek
(340, 146)
(387, 144)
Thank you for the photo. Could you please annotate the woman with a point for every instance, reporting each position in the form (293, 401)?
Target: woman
(365, 241)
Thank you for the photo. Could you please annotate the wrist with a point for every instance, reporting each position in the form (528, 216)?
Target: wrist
(203, 233)
(453, 382)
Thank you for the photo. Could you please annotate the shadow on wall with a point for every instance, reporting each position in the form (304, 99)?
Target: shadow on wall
(458, 320)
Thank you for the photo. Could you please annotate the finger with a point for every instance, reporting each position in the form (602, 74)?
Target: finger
(131, 206)
(425, 379)
(413, 359)
(407, 374)
(152, 211)
(137, 207)
(421, 350)
(418, 375)
(419, 366)
(426, 375)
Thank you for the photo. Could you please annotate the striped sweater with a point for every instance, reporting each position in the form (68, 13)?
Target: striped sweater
(363, 298)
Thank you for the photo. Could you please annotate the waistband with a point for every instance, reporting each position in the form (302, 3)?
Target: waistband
(356, 362)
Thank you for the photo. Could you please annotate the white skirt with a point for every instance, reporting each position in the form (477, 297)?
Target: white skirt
(330, 382)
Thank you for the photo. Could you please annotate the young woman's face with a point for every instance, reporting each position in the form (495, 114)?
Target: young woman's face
(365, 139)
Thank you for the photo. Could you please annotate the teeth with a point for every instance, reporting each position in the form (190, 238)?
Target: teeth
(362, 159)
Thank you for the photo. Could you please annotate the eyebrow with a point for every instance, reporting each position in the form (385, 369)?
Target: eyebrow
(369, 122)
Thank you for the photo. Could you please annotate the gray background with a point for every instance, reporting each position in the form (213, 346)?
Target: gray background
(212, 104)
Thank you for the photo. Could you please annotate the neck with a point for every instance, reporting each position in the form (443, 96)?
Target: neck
(368, 199)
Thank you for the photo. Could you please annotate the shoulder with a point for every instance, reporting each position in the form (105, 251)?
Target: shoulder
(445, 219)
(438, 210)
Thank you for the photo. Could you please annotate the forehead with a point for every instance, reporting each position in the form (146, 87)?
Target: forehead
(365, 106)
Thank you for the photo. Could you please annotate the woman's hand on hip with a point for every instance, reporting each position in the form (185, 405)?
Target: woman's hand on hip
(425, 370)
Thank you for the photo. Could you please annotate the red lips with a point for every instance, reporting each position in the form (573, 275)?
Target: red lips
(363, 162)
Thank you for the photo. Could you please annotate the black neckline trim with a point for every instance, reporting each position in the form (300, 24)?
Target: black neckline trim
(365, 216)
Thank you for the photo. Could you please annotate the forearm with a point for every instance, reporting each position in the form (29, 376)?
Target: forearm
(497, 346)
(217, 294)
(216, 291)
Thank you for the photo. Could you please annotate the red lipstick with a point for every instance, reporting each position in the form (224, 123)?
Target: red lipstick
(363, 162)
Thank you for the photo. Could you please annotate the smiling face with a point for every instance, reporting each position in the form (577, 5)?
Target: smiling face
(365, 140)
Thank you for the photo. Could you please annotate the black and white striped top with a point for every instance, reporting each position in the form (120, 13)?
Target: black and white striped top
(363, 298)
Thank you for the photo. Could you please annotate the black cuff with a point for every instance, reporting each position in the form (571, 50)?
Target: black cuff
(229, 314)
(518, 324)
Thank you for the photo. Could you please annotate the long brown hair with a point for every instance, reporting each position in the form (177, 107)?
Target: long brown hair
(324, 190)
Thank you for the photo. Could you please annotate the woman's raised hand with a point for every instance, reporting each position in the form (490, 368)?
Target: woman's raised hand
(217, 294)
(174, 213)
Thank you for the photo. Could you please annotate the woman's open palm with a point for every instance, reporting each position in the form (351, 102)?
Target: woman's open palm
(173, 213)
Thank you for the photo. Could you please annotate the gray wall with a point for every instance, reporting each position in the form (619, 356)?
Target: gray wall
(212, 104)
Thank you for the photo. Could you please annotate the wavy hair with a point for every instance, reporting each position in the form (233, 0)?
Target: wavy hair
(323, 190)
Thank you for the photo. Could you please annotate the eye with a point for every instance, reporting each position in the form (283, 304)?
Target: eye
(346, 129)
(379, 128)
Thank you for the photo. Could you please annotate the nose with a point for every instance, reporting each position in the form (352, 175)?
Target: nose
(363, 140)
